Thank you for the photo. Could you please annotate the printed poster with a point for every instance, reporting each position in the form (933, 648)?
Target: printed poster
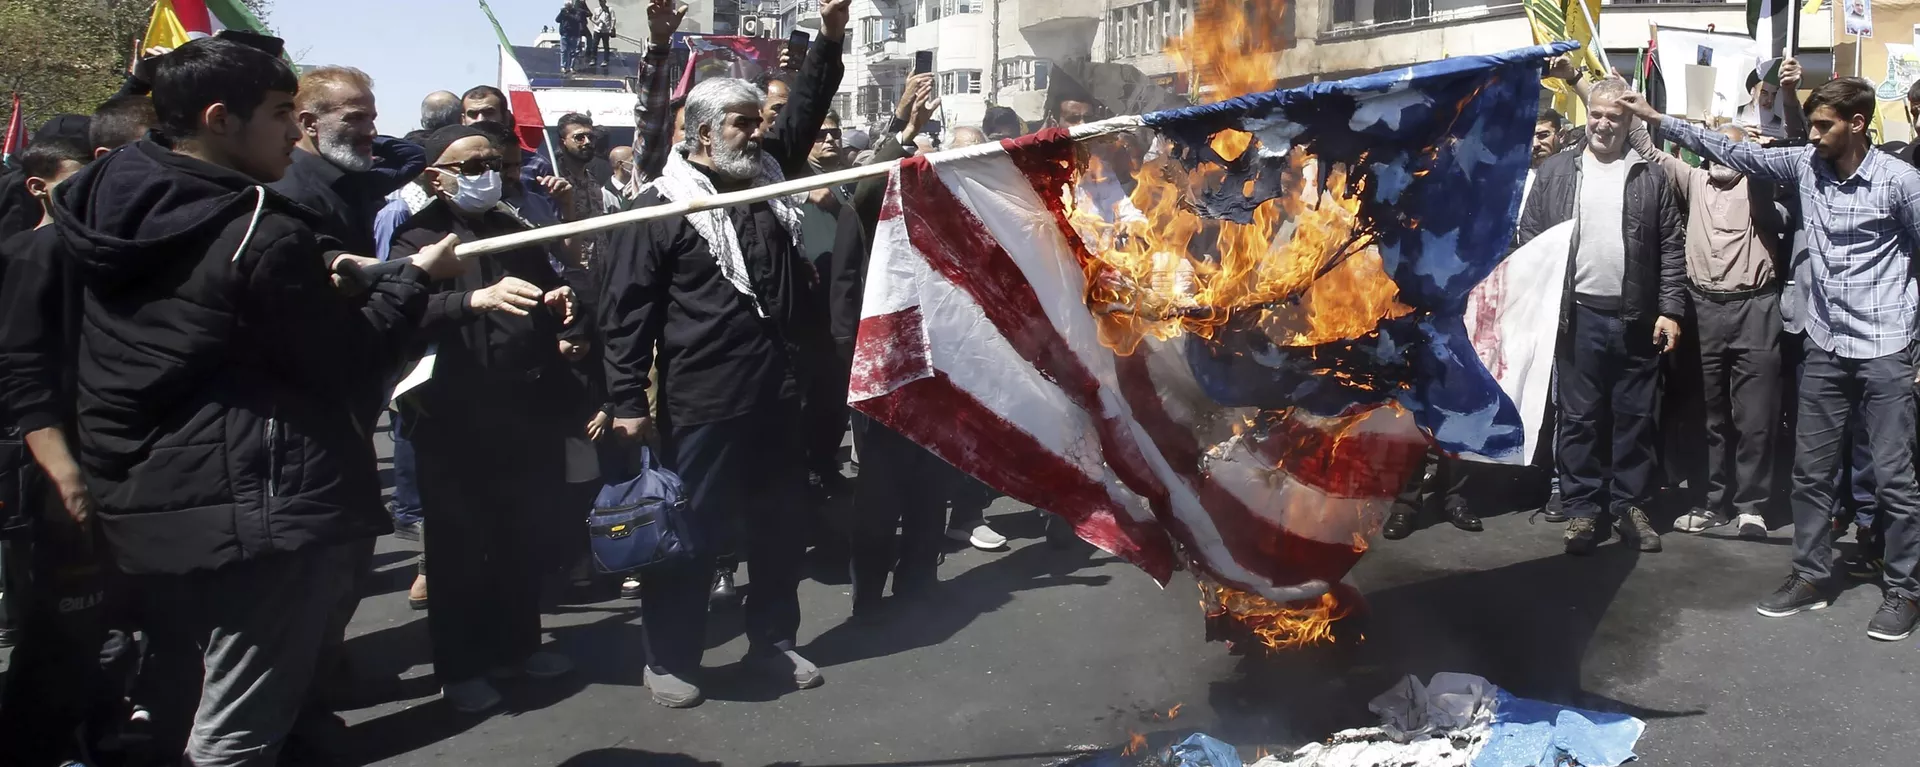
(1859, 17)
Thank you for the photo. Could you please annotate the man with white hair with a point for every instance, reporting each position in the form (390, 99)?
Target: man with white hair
(342, 168)
(726, 298)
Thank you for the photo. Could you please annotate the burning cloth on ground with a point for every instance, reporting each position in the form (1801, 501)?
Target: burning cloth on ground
(1239, 378)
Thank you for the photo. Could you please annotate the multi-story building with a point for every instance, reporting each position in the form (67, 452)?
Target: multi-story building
(1340, 38)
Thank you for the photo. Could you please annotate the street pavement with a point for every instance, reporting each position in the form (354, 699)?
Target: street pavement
(1027, 656)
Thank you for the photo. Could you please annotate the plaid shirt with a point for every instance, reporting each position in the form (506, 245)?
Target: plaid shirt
(1853, 267)
(654, 114)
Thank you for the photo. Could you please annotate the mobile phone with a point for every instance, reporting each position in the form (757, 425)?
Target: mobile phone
(797, 47)
(922, 62)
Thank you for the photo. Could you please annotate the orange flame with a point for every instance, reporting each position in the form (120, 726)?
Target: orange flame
(1278, 626)
(1303, 263)
(1135, 743)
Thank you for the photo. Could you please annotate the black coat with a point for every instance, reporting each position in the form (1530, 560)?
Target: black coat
(347, 202)
(1654, 283)
(490, 364)
(219, 369)
(664, 292)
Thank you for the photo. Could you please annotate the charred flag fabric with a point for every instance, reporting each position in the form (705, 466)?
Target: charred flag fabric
(1224, 341)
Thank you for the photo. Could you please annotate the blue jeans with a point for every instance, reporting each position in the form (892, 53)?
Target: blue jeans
(569, 49)
(406, 482)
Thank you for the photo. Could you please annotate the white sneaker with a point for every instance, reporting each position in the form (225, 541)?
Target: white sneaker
(986, 539)
(472, 696)
(1753, 526)
(546, 665)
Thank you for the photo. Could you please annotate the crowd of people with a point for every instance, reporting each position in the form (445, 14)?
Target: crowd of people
(217, 280)
(1790, 263)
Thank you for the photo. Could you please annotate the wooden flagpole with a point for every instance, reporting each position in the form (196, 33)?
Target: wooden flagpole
(757, 194)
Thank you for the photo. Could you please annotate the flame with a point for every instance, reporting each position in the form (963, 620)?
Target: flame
(1304, 264)
(1279, 626)
(1175, 711)
(1135, 743)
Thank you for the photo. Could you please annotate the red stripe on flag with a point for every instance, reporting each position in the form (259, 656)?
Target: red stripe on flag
(957, 245)
(1364, 465)
(966, 433)
(193, 16)
(890, 352)
(1253, 541)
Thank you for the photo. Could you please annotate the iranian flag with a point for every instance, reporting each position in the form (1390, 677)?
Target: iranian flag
(175, 22)
(519, 90)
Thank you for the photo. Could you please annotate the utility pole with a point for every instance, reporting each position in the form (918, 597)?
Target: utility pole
(993, 57)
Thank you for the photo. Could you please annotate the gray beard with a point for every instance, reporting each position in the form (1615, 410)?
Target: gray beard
(343, 154)
(738, 165)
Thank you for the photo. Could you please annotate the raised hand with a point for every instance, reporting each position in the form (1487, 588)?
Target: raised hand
(663, 17)
(833, 19)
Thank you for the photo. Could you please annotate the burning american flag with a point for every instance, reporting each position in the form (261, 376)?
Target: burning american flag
(1234, 367)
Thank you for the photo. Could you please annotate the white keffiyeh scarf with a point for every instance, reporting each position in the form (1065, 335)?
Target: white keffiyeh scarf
(680, 181)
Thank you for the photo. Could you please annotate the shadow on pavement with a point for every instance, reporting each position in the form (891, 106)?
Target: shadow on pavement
(935, 617)
(628, 757)
(1528, 627)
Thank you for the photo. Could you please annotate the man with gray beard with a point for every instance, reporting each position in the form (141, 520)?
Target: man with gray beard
(343, 171)
(727, 298)
(341, 168)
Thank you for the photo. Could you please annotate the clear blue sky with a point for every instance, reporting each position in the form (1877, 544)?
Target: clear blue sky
(410, 47)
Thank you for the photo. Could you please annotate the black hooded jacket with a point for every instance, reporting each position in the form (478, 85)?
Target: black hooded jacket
(218, 367)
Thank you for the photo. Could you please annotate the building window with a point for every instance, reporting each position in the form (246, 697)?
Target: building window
(1167, 29)
(932, 13)
(875, 100)
(1345, 11)
(957, 7)
(843, 105)
(1025, 74)
(959, 81)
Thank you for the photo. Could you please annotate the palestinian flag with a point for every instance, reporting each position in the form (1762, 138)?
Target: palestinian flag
(513, 81)
(1652, 81)
(175, 22)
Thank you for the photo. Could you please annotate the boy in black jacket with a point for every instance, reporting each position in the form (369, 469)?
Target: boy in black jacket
(218, 375)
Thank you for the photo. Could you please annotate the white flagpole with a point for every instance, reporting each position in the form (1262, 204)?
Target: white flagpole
(757, 194)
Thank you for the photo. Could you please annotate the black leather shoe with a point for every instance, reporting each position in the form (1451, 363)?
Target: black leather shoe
(723, 590)
(1399, 525)
(1556, 512)
(1465, 520)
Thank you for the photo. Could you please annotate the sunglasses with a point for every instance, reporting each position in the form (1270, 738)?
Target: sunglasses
(473, 167)
(827, 134)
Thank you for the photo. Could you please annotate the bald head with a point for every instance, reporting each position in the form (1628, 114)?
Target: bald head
(622, 160)
(439, 110)
(968, 136)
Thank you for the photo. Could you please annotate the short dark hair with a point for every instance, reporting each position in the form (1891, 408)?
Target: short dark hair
(484, 91)
(121, 120)
(1849, 96)
(211, 71)
(1000, 115)
(1552, 117)
(833, 117)
(571, 119)
(1913, 91)
(42, 158)
(784, 79)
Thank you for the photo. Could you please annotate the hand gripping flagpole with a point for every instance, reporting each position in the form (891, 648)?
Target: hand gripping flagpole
(756, 194)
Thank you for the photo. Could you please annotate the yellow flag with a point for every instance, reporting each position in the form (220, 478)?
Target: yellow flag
(1575, 20)
(165, 29)
(1812, 6)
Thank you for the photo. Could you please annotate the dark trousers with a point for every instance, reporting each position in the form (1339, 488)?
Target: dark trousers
(747, 467)
(246, 636)
(1441, 479)
(490, 499)
(1743, 406)
(825, 414)
(1831, 387)
(70, 671)
(969, 498)
(899, 510)
(1607, 373)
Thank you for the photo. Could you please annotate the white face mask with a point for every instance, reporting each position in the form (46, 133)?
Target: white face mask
(475, 194)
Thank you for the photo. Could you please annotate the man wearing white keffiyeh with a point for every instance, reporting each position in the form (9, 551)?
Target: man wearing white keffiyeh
(722, 303)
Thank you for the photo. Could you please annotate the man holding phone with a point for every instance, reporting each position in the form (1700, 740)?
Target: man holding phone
(1625, 293)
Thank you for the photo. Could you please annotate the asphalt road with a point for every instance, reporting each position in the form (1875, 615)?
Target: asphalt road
(1026, 655)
